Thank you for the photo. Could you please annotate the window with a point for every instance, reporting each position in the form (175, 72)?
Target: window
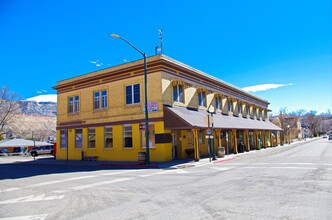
(218, 103)
(73, 104)
(151, 136)
(108, 134)
(248, 111)
(239, 108)
(201, 137)
(178, 93)
(63, 138)
(128, 136)
(92, 138)
(201, 99)
(230, 106)
(100, 99)
(132, 94)
(78, 138)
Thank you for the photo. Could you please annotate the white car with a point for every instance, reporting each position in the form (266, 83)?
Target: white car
(41, 150)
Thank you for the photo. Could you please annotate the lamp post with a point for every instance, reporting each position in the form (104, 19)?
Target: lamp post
(288, 134)
(147, 147)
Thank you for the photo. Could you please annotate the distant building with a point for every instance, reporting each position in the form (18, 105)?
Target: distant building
(102, 113)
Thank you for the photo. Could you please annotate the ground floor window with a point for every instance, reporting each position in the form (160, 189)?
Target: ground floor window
(108, 133)
(63, 138)
(151, 136)
(91, 137)
(128, 136)
(78, 138)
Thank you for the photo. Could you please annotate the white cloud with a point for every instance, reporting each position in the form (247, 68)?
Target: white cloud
(264, 87)
(96, 63)
(41, 91)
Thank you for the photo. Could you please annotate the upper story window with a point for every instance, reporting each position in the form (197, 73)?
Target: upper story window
(201, 99)
(230, 106)
(133, 94)
(218, 102)
(100, 99)
(178, 93)
(73, 104)
(239, 108)
(247, 111)
(255, 112)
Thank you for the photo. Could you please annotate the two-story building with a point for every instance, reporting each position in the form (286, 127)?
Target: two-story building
(102, 114)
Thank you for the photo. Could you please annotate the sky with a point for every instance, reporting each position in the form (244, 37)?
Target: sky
(278, 50)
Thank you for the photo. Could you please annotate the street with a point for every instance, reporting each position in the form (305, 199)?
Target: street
(287, 182)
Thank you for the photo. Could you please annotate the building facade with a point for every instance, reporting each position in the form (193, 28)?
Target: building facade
(101, 114)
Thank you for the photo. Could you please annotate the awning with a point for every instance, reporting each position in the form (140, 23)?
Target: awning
(22, 143)
(186, 118)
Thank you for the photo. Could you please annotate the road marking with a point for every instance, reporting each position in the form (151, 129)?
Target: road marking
(100, 183)
(223, 168)
(27, 217)
(120, 172)
(9, 189)
(178, 171)
(299, 168)
(59, 181)
(32, 198)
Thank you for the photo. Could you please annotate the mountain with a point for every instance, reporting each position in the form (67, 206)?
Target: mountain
(42, 105)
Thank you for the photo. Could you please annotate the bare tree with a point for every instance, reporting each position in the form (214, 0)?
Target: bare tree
(8, 109)
(313, 121)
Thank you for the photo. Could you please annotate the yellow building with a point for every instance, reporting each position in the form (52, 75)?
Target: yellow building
(101, 114)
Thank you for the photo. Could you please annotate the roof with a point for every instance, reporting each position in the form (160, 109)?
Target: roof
(22, 143)
(186, 118)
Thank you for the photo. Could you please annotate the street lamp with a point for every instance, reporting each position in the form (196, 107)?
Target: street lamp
(288, 134)
(147, 147)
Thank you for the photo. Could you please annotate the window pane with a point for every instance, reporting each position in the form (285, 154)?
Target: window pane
(108, 137)
(78, 138)
(104, 99)
(129, 95)
(63, 138)
(91, 138)
(180, 94)
(96, 100)
(76, 104)
(70, 104)
(136, 93)
(175, 94)
(128, 139)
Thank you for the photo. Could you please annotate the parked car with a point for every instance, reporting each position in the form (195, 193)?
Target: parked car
(19, 150)
(41, 150)
(4, 152)
(324, 136)
(330, 137)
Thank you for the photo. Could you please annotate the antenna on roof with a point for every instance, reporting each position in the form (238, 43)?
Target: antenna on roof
(159, 49)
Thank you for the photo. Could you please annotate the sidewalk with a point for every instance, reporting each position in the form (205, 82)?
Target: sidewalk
(174, 164)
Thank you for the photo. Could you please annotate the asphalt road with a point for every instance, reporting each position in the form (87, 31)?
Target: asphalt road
(288, 182)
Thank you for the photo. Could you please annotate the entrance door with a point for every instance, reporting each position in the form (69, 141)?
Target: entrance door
(175, 144)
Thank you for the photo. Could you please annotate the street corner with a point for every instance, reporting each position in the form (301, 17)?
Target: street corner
(220, 160)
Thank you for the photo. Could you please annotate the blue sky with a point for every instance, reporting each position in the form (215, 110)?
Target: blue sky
(284, 44)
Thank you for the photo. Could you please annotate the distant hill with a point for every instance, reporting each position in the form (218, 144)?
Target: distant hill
(44, 105)
(35, 118)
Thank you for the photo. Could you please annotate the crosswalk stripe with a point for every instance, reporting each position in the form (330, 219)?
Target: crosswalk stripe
(100, 183)
(32, 198)
(27, 217)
